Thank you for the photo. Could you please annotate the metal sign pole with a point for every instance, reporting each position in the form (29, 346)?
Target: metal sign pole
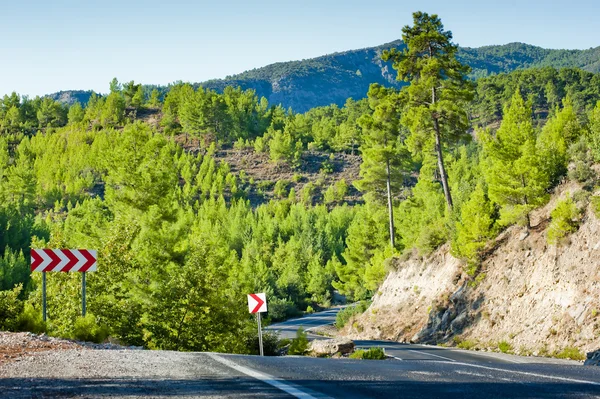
(260, 345)
(83, 294)
(44, 296)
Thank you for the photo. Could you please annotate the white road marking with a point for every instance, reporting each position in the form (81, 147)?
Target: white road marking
(495, 357)
(431, 354)
(278, 383)
(550, 377)
(396, 357)
(485, 376)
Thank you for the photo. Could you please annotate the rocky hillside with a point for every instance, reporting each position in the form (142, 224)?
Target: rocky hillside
(529, 298)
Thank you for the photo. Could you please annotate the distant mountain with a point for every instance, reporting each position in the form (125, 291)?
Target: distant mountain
(331, 79)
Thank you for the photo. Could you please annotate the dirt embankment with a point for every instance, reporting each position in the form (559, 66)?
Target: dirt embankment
(530, 297)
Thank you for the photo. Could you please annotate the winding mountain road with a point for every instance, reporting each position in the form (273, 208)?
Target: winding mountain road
(416, 371)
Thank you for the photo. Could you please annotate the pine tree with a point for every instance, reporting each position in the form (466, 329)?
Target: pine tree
(557, 135)
(476, 225)
(385, 159)
(514, 172)
(438, 90)
(594, 132)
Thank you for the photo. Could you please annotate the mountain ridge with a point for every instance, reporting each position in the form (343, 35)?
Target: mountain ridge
(333, 78)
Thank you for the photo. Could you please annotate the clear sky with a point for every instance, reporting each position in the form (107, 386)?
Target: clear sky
(49, 46)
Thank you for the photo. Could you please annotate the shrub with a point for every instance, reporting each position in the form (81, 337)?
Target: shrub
(310, 309)
(596, 206)
(570, 352)
(505, 347)
(341, 189)
(88, 329)
(346, 314)
(31, 320)
(582, 172)
(329, 196)
(297, 178)
(326, 167)
(271, 343)
(10, 308)
(261, 145)
(369, 354)
(280, 189)
(281, 309)
(299, 345)
(565, 220)
(308, 191)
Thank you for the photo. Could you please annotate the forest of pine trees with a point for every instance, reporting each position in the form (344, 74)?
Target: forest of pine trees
(444, 160)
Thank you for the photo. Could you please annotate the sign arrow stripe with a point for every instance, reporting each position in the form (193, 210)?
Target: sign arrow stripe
(259, 301)
(63, 260)
(36, 260)
(72, 260)
(45, 262)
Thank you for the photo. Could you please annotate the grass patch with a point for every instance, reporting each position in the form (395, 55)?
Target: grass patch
(467, 344)
(369, 354)
(570, 352)
(505, 347)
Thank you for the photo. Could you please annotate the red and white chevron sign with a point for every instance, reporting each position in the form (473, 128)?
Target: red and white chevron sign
(63, 260)
(257, 303)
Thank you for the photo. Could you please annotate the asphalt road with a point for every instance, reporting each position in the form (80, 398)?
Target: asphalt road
(400, 351)
(158, 374)
(417, 371)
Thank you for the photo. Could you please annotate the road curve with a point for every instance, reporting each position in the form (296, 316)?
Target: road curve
(403, 352)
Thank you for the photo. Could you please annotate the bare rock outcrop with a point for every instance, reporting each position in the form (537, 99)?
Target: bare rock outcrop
(331, 347)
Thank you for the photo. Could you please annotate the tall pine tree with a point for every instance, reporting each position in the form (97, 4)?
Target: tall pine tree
(438, 90)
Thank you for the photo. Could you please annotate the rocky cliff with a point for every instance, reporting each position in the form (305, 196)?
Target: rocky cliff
(529, 297)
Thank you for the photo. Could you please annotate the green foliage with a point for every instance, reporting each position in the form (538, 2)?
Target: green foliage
(271, 342)
(595, 201)
(556, 137)
(369, 354)
(565, 220)
(505, 347)
(516, 176)
(281, 188)
(10, 308)
(594, 132)
(88, 329)
(476, 225)
(438, 92)
(31, 319)
(571, 353)
(299, 345)
(344, 315)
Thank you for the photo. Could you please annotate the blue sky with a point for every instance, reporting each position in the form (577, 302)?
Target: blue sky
(56, 45)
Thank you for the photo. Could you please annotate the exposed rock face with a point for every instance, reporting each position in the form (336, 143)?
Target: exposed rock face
(593, 359)
(538, 298)
(331, 347)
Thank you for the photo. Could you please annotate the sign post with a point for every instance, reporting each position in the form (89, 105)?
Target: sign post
(63, 260)
(83, 294)
(257, 303)
(44, 296)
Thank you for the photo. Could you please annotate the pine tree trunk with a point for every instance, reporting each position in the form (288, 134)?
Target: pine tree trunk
(440, 155)
(440, 158)
(390, 207)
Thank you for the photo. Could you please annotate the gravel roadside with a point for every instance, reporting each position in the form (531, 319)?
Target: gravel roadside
(38, 366)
